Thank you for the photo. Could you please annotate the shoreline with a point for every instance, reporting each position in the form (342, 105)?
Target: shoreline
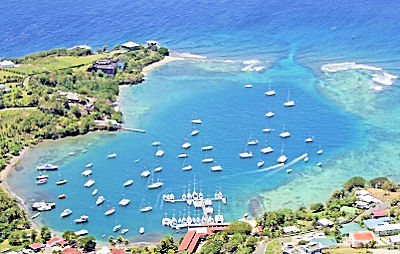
(167, 59)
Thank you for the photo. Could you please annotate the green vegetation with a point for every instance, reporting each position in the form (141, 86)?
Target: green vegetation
(273, 247)
(354, 182)
(63, 96)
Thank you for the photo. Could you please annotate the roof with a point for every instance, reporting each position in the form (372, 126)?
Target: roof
(71, 251)
(378, 213)
(35, 246)
(362, 236)
(53, 241)
(118, 251)
(193, 244)
(187, 240)
(351, 227)
(326, 242)
(6, 63)
(388, 227)
(348, 209)
(362, 193)
(290, 229)
(325, 222)
(130, 44)
(394, 238)
(373, 223)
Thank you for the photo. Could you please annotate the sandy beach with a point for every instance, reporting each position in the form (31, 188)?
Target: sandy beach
(166, 60)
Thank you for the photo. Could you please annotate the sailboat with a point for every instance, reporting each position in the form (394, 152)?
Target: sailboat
(159, 152)
(155, 185)
(194, 132)
(284, 134)
(216, 168)
(196, 120)
(186, 145)
(146, 208)
(111, 156)
(246, 154)
(187, 167)
(269, 114)
(207, 159)
(289, 103)
(320, 151)
(267, 149)
(282, 158)
(270, 92)
(156, 143)
(260, 164)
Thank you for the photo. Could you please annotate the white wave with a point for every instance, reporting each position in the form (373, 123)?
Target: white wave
(259, 68)
(390, 75)
(253, 65)
(378, 88)
(190, 55)
(335, 67)
(229, 61)
(251, 62)
(383, 79)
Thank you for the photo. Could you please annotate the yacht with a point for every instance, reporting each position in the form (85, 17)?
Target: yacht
(141, 230)
(159, 152)
(267, 130)
(94, 192)
(269, 114)
(39, 177)
(260, 164)
(89, 165)
(124, 231)
(87, 172)
(89, 183)
(187, 168)
(146, 209)
(309, 140)
(72, 154)
(186, 145)
(156, 143)
(128, 183)
(216, 168)
(248, 86)
(267, 149)
(41, 181)
(196, 121)
(66, 213)
(288, 103)
(194, 133)
(109, 211)
(183, 155)
(320, 151)
(207, 148)
(81, 232)
(117, 228)
(245, 155)
(82, 219)
(289, 170)
(47, 166)
(124, 202)
(111, 156)
(100, 200)
(284, 134)
(145, 173)
(207, 160)
(252, 142)
(61, 182)
(157, 169)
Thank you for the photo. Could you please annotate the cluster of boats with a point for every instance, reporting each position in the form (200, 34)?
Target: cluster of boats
(186, 221)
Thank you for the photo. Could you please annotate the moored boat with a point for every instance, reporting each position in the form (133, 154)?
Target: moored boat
(156, 143)
(289, 170)
(61, 182)
(89, 165)
(289, 103)
(87, 172)
(94, 192)
(124, 231)
(267, 149)
(159, 152)
(100, 200)
(111, 156)
(66, 213)
(62, 196)
(196, 121)
(145, 173)
(282, 159)
(260, 164)
(128, 183)
(117, 227)
(35, 215)
(47, 166)
(82, 219)
(146, 209)
(109, 211)
(183, 155)
(187, 168)
(248, 86)
(81, 232)
(207, 160)
(186, 145)
(253, 142)
(207, 148)
(141, 230)
(41, 181)
(269, 114)
(216, 168)
(194, 133)
(39, 177)
(89, 183)
(124, 202)
(157, 169)
(246, 155)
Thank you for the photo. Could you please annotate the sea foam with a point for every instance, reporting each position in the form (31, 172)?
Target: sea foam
(190, 55)
(253, 65)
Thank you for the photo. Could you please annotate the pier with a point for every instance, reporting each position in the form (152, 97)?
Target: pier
(133, 129)
(201, 200)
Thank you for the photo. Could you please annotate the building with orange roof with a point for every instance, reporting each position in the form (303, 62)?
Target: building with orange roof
(357, 238)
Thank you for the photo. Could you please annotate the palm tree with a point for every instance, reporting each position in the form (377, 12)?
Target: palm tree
(126, 242)
(120, 240)
(111, 240)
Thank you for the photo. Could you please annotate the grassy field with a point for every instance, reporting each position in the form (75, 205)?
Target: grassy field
(4, 74)
(273, 247)
(5, 245)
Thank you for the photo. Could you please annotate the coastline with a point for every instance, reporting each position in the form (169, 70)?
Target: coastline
(154, 65)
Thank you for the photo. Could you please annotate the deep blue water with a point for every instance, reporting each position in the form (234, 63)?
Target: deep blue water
(291, 39)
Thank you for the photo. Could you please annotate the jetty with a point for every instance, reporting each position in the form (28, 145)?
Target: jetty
(132, 129)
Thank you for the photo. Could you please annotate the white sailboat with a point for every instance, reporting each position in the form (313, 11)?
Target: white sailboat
(94, 192)
(187, 167)
(269, 114)
(89, 165)
(309, 139)
(124, 202)
(159, 152)
(183, 155)
(282, 158)
(289, 170)
(111, 156)
(196, 120)
(145, 208)
(270, 92)
(145, 173)
(207, 159)
(248, 86)
(289, 103)
(109, 211)
(260, 164)
(320, 151)
(100, 200)
(194, 132)
(207, 148)
(89, 183)
(246, 154)
(284, 134)
(65, 213)
(186, 145)
(158, 169)
(155, 185)
(156, 143)
(216, 168)
(267, 130)
(252, 142)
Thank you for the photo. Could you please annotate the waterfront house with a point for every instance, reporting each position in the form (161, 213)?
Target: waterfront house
(290, 230)
(387, 229)
(130, 45)
(325, 223)
(107, 66)
(357, 238)
(394, 239)
(56, 241)
(6, 64)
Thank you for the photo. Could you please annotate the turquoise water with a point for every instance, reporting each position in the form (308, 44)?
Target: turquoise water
(288, 43)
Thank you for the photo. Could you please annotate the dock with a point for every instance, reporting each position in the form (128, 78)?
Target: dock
(201, 200)
(133, 129)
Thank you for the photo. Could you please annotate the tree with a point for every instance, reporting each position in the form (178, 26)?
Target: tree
(99, 51)
(239, 227)
(111, 240)
(120, 240)
(45, 234)
(163, 51)
(389, 186)
(356, 181)
(377, 182)
(104, 48)
(317, 207)
(126, 242)
(88, 243)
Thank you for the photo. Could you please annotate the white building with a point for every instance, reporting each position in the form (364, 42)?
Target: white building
(131, 45)
(362, 193)
(394, 239)
(387, 229)
(325, 223)
(6, 64)
(290, 229)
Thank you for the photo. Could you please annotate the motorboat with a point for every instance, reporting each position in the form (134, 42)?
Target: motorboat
(72, 154)
(141, 230)
(62, 196)
(270, 93)
(187, 168)
(267, 130)
(309, 140)
(289, 170)
(284, 134)
(269, 114)
(109, 211)
(196, 121)
(128, 183)
(319, 164)
(155, 185)
(146, 209)
(207, 160)
(81, 232)
(124, 231)
(41, 181)
(216, 168)
(289, 103)
(39, 177)
(94, 192)
(47, 166)
(145, 173)
(183, 155)
(100, 200)
(207, 148)
(282, 159)
(89, 165)
(117, 228)
(320, 151)
(61, 182)
(157, 169)
(82, 219)
(186, 145)
(66, 213)
(156, 143)
(306, 159)
(124, 202)
(266, 150)
(260, 164)
(194, 133)
(248, 86)
(89, 183)
(253, 142)
(159, 153)
(87, 172)
(111, 156)
(246, 155)
(35, 215)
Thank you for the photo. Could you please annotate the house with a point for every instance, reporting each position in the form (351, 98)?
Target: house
(118, 251)
(362, 193)
(348, 228)
(368, 199)
(325, 223)
(373, 223)
(37, 246)
(130, 45)
(378, 213)
(394, 239)
(291, 249)
(311, 248)
(107, 66)
(4, 89)
(290, 229)
(71, 251)
(56, 241)
(6, 64)
(387, 229)
(348, 209)
(326, 242)
(362, 204)
(357, 238)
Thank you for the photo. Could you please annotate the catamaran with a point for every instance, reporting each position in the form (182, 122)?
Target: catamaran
(109, 211)
(100, 200)
(288, 103)
(89, 183)
(47, 166)
(111, 156)
(87, 172)
(66, 213)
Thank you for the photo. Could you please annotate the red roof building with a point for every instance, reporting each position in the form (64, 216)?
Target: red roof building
(36, 246)
(118, 251)
(71, 251)
(355, 238)
(53, 241)
(378, 213)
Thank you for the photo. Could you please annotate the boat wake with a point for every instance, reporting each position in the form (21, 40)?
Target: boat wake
(253, 65)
